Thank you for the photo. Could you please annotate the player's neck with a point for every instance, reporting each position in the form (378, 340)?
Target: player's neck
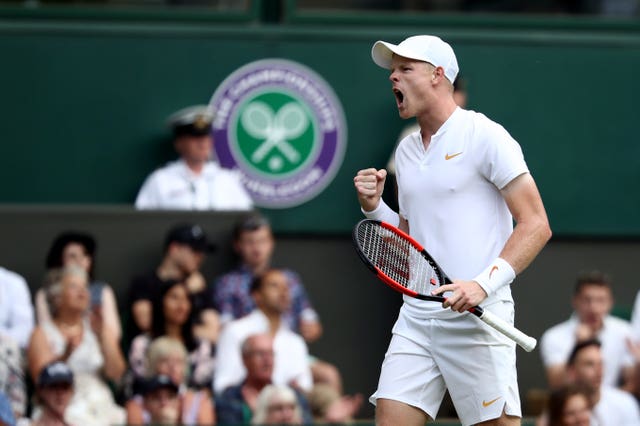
(433, 118)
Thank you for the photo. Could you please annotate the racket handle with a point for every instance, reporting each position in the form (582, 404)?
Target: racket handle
(527, 343)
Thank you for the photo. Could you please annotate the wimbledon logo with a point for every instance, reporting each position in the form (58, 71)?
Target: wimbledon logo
(282, 127)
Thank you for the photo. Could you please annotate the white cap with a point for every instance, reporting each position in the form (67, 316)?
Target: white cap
(425, 48)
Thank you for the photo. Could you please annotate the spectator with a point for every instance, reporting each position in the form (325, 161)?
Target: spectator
(168, 357)
(236, 404)
(611, 406)
(185, 248)
(254, 243)
(16, 310)
(12, 383)
(87, 345)
(79, 248)
(193, 182)
(173, 317)
(277, 404)
(161, 401)
(592, 303)
(569, 405)
(54, 391)
(291, 365)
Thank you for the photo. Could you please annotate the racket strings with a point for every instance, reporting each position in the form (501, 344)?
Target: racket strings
(397, 258)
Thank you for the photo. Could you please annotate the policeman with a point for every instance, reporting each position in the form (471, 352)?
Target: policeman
(194, 181)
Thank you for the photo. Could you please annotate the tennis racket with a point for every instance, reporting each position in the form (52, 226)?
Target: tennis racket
(403, 264)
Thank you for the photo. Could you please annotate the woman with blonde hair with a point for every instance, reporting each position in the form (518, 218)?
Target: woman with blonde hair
(167, 356)
(87, 345)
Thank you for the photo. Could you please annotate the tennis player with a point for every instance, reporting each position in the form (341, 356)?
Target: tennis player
(462, 180)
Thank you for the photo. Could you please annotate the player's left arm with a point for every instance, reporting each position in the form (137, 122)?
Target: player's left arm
(532, 230)
(531, 233)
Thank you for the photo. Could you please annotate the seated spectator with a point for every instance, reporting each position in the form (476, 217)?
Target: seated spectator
(79, 248)
(185, 248)
(16, 309)
(592, 303)
(54, 391)
(87, 345)
(611, 406)
(168, 357)
(12, 383)
(270, 292)
(173, 317)
(236, 404)
(329, 407)
(194, 182)
(254, 243)
(569, 405)
(277, 404)
(161, 401)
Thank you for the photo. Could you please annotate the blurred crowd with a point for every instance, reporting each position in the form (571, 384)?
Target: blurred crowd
(592, 360)
(231, 350)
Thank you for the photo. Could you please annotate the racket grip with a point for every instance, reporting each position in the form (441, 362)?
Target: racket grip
(527, 343)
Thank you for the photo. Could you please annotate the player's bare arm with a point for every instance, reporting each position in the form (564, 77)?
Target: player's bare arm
(532, 230)
(531, 233)
(369, 185)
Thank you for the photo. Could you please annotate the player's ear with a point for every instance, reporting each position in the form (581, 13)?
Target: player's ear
(438, 74)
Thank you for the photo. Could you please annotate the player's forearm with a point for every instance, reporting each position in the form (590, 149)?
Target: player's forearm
(526, 241)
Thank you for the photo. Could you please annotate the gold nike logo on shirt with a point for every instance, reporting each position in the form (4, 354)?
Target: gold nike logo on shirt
(488, 403)
(449, 157)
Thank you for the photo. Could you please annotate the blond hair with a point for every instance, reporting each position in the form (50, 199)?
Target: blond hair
(53, 284)
(162, 347)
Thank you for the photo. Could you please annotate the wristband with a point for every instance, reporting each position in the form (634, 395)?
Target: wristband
(384, 213)
(498, 274)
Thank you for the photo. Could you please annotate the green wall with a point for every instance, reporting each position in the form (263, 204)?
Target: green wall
(84, 103)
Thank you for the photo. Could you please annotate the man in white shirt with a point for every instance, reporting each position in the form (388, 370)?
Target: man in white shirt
(193, 182)
(611, 406)
(291, 357)
(16, 309)
(592, 302)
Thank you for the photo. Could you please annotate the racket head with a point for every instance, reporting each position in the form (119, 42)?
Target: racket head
(397, 259)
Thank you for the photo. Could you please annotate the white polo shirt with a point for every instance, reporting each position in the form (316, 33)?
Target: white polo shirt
(450, 195)
(558, 341)
(176, 187)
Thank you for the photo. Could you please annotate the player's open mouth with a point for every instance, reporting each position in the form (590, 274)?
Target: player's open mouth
(399, 96)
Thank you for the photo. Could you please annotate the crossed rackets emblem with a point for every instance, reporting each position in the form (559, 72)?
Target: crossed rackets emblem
(274, 128)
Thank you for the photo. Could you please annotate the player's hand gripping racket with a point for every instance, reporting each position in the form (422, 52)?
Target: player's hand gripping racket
(404, 265)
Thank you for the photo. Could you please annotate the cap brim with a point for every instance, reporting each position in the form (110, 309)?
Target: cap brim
(382, 53)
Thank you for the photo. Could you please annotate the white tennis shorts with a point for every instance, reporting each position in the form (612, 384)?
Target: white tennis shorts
(474, 362)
